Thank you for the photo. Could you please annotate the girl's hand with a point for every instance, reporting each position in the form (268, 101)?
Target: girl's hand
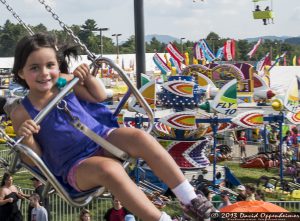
(28, 128)
(82, 72)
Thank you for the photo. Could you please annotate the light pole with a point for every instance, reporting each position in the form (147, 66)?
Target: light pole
(117, 41)
(181, 44)
(101, 38)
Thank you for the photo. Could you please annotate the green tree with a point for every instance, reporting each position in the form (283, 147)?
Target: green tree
(127, 47)
(39, 28)
(87, 36)
(242, 48)
(10, 35)
(153, 46)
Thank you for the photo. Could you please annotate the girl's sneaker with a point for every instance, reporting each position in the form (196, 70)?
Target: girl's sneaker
(199, 209)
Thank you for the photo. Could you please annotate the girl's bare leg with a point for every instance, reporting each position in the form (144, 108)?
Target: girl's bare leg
(96, 171)
(140, 144)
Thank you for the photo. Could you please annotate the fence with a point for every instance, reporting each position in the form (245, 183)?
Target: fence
(61, 211)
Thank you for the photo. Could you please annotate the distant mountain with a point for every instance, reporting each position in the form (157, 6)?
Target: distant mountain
(162, 38)
(294, 40)
(272, 38)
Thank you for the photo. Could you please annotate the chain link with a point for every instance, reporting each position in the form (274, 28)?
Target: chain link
(10, 9)
(67, 29)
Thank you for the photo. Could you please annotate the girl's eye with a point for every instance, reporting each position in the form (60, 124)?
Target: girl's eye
(51, 65)
(34, 68)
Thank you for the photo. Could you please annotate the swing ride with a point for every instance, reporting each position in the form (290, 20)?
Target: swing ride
(266, 13)
(204, 100)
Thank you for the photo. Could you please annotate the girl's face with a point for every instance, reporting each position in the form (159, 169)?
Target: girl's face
(86, 217)
(41, 70)
(9, 181)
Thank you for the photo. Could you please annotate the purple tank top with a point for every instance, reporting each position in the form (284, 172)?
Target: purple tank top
(62, 145)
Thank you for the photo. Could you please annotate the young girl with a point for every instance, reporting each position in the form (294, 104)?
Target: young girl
(242, 143)
(74, 157)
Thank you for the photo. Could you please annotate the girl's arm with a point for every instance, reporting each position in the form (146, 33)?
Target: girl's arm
(25, 126)
(88, 88)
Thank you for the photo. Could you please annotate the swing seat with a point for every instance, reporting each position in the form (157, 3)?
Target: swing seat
(41, 171)
(263, 14)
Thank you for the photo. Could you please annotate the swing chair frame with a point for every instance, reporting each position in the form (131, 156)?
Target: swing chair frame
(77, 199)
(263, 14)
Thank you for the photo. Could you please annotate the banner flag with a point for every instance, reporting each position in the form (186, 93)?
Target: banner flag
(277, 60)
(208, 54)
(198, 53)
(253, 50)
(264, 61)
(220, 53)
(229, 50)
(161, 64)
(175, 64)
(174, 52)
(294, 60)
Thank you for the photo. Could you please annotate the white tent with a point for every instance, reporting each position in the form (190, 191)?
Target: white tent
(6, 62)
(282, 76)
(125, 60)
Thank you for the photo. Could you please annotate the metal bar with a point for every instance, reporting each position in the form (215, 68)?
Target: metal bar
(214, 126)
(139, 40)
(122, 103)
(133, 90)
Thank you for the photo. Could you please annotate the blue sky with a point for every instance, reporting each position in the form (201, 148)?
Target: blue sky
(178, 18)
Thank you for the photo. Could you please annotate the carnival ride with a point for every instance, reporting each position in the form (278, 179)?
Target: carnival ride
(182, 112)
(266, 14)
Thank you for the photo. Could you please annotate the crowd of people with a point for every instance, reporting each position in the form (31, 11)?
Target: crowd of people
(10, 196)
(245, 193)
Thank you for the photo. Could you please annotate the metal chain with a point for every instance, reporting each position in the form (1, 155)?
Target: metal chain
(67, 29)
(10, 9)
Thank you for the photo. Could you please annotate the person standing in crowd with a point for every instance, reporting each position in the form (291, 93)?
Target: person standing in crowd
(38, 188)
(38, 213)
(241, 193)
(273, 138)
(225, 197)
(250, 193)
(287, 138)
(9, 197)
(117, 212)
(295, 142)
(85, 215)
(259, 195)
(242, 144)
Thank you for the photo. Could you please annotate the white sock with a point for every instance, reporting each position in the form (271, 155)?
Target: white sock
(185, 192)
(165, 217)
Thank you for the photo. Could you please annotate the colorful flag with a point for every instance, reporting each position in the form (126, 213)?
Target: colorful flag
(284, 61)
(277, 56)
(186, 58)
(208, 54)
(220, 53)
(198, 53)
(161, 64)
(253, 50)
(294, 60)
(229, 50)
(175, 53)
(277, 60)
(264, 61)
(175, 64)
